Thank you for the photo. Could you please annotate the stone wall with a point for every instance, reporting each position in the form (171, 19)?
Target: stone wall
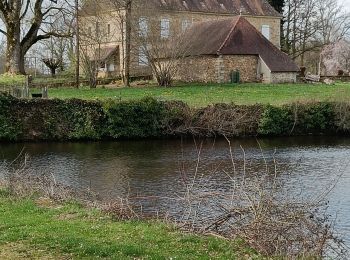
(245, 64)
(283, 77)
(197, 69)
(214, 69)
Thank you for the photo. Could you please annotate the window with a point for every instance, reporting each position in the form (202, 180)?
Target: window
(186, 24)
(108, 29)
(265, 30)
(164, 28)
(143, 27)
(143, 59)
(111, 67)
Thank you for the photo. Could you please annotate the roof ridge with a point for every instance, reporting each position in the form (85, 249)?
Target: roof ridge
(234, 24)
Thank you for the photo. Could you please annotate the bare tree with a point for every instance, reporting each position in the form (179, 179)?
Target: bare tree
(300, 27)
(312, 24)
(53, 64)
(118, 23)
(157, 45)
(25, 24)
(333, 21)
(124, 24)
(93, 53)
(2, 57)
(58, 49)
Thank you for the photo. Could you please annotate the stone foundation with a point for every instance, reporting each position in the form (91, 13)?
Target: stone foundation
(283, 77)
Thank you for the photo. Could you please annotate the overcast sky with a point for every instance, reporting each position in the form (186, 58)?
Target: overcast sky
(346, 3)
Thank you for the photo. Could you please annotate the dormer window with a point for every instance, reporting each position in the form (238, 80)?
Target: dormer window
(265, 30)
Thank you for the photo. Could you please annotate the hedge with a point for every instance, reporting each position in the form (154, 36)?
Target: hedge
(64, 120)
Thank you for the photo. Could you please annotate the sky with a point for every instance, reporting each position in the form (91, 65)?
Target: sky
(346, 3)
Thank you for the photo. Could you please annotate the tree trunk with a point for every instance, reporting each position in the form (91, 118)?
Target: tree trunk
(53, 72)
(22, 69)
(126, 76)
(14, 57)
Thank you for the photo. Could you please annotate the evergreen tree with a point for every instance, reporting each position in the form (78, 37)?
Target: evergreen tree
(278, 5)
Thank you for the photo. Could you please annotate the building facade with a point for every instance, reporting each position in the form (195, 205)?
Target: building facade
(103, 25)
(218, 49)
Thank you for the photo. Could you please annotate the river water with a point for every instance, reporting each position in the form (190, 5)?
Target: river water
(162, 168)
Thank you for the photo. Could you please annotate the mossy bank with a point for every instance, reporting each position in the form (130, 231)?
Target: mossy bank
(65, 120)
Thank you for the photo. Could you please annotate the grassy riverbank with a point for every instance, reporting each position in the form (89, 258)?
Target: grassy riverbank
(198, 95)
(203, 95)
(43, 229)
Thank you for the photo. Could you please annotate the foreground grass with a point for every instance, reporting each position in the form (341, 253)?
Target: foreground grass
(203, 95)
(40, 229)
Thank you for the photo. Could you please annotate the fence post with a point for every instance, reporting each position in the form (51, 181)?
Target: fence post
(27, 86)
(45, 92)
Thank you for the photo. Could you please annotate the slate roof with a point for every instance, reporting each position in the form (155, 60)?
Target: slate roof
(235, 37)
(234, 7)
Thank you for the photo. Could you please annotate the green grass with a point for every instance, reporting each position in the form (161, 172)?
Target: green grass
(33, 229)
(11, 80)
(203, 95)
(19, 80)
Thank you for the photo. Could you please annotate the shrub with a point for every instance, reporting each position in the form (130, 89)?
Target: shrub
(276, 121)
(32, 119)
(85, 120)
(23, 119)
(316, 118)
(10, 128)
(342, 116)
(298, 119)
(135, 119)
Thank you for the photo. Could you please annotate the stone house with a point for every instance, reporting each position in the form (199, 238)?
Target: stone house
(166, 19)
(215, 49)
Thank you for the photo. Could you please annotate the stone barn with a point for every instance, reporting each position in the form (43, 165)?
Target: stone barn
(214, 49)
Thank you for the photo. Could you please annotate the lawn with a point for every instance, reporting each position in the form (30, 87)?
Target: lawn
(40, 229)
(11, 80)
(203, 95)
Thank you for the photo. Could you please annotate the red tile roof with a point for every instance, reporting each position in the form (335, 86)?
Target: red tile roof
(235, 37)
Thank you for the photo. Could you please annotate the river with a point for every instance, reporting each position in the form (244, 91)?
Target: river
(161, 168)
